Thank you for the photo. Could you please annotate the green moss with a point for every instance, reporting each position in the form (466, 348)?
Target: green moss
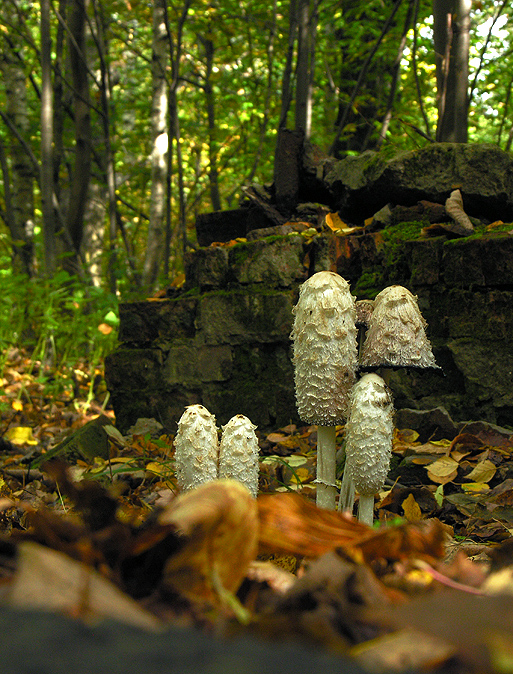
(369, 284)
(481, 232)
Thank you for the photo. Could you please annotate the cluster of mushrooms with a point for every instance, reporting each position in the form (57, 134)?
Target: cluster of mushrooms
(335, 340)
(200, 457)
(328, 392)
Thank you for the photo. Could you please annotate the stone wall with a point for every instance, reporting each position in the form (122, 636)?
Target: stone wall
(224, 342)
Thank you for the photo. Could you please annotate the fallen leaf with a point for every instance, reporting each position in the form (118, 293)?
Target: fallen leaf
(411, 509)
(218, 523)
(292, 525)
(443, 470)
(454, 208)
(20, 435)
(105, 329)
(52, 581)
(483, 472)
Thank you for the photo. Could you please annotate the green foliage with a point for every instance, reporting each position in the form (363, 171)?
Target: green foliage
(62, 322)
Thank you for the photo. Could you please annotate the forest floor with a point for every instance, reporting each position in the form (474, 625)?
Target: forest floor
(102, 520)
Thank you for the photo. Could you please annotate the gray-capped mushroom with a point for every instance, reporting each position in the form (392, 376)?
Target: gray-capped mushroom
(396, 336)
(369, 433)
(325, 362)
(196, 447)
(238, 453)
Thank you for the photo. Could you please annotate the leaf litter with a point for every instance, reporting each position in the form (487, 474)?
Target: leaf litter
(99, 529)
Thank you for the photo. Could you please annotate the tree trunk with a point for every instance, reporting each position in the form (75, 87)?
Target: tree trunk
(81, 108)
(212, 131)
(19, 196)
(451, 42)
(47, 142)
(160, 103)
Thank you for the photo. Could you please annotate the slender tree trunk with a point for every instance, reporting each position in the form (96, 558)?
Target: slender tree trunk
(396, 71)
(47, 142)
(303, 100)
(82, 112)
(212, 131)
(286, 94)
(451, 42)
(160, 103)
(110, 174)
(19, 195)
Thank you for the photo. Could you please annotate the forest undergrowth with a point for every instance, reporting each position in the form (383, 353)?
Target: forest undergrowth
(437, 560)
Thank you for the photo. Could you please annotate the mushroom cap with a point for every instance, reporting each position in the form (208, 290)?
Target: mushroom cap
(369, 433)
(396, 336)
(325, 349)
(239, 452)
(196, 447)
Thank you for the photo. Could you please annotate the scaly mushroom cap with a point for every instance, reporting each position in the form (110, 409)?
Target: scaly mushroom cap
(196, 447)
(238, 453)
(369, 432)
(325, 349)
(396, 336)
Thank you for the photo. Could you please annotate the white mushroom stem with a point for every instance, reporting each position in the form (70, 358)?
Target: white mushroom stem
(369, 433)
(325, 361)
(196, 447)
(238, 453)
(347, 491)
(326, 467)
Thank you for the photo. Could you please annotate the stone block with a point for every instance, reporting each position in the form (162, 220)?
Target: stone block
(235, 317)
(424, 261)
(228, 225)
(487, 368)
(261, 387)
(279, 263)
(143, 322)
(206, 268)
(190, 364)
(134, 369)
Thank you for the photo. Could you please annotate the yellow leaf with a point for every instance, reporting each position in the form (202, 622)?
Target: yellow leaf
(483, 472)
(20, 435)
(301, 475)
(475, 487)
(17, 405)
(105, 329)
(411, 508)
(443, 470)
(334, 221)
(160, 469)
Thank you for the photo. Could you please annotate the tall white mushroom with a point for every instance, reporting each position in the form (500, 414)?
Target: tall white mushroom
(369, 433)
(238, 453)
(196, 447)
(396, 335)
(325, 361)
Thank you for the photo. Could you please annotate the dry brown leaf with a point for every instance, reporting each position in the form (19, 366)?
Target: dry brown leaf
(219, 525)
(411, 509)
(483, 472)
(52, 581)
(454, 208)
(405, 650)
(443, 470)
(292, 525)
(478, 626)
(423, 540)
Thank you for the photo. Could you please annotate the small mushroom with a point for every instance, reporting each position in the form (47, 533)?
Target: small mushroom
(196, 447)
(396, 336)
(238, 453)
(325, 360)
(369, 433)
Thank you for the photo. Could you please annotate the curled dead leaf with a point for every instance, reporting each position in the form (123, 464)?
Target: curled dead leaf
(454, 208)
(219, 525)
